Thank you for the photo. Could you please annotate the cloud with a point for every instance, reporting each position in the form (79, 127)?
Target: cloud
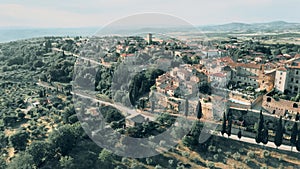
(78, 13)
(20, 15)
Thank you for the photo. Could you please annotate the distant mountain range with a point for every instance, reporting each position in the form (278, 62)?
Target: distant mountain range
(11, 34)
(269, 26)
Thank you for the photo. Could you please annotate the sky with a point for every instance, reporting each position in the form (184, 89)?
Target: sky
(97, 13)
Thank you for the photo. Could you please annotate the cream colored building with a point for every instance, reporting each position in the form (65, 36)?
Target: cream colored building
(288, 76)
(281, 79)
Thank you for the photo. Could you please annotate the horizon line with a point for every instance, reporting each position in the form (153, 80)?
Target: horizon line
(97, 27)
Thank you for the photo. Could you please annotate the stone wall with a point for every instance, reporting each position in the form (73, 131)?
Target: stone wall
(280, 107)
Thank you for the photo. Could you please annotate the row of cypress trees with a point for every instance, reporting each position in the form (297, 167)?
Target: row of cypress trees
(262, 132)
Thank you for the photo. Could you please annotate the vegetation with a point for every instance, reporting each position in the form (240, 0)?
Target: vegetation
(279, 133)
(40, 127)
(259, 133)
(199, 110)
(223, 131)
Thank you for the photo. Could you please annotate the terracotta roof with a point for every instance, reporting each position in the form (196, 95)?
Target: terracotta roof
(251, 65)
(282, 69)
(218, 75)
(245, 65)
(226, 59)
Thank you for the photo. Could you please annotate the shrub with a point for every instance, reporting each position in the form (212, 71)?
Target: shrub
(158, 167)
(216, 157)
(149, 161)
(137, 166)
(212, 148)
(280, 158)
(247, 160)
(251, 154)
(125, 160)
(171, 162)
(237, 156)
(265, 154)
(241, 150)
(185, 154)
(228, 154)
(210, 164)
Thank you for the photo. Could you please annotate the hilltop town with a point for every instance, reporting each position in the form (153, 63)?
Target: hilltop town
(74, 88)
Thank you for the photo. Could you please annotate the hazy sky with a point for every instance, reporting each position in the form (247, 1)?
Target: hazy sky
(86, 13)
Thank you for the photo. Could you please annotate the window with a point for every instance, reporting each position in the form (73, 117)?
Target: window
(279, 82)
(280, 73)
(297, 72)
(269, 99)
(292, 79)
(295, 105)
(296, 81)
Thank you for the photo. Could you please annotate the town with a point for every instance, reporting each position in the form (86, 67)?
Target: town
(103, 90)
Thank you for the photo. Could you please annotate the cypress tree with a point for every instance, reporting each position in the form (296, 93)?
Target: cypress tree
(240, 133)
(294, 134)
(298, 142)
(229, 126)
(199, 110)
(259, 137)
(297, 117)
(279, 133)
(265, 135)
(223, 131)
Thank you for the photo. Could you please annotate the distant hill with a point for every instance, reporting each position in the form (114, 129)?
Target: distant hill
(269, 26)
(12, 34)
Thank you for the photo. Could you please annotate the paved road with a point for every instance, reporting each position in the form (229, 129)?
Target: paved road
(80, 57)
(252, 141)
(152, 117)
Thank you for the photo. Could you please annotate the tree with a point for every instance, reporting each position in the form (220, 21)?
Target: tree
(223, 131)
(294, 134)
(21, 116)
(3, 140)
(199, 110)
(19, 140)
(63, 139)
(229, 126)
(23, 161)
(240, 133)
(298, 142)
(189, 141)
(279, 133)
(67, 162)
(178, 92)
(192, 138)
(196, 129)
(186, 111)
(259, 137)
(68, 111)
(107, 158)
(39, 150)
(265, 135)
